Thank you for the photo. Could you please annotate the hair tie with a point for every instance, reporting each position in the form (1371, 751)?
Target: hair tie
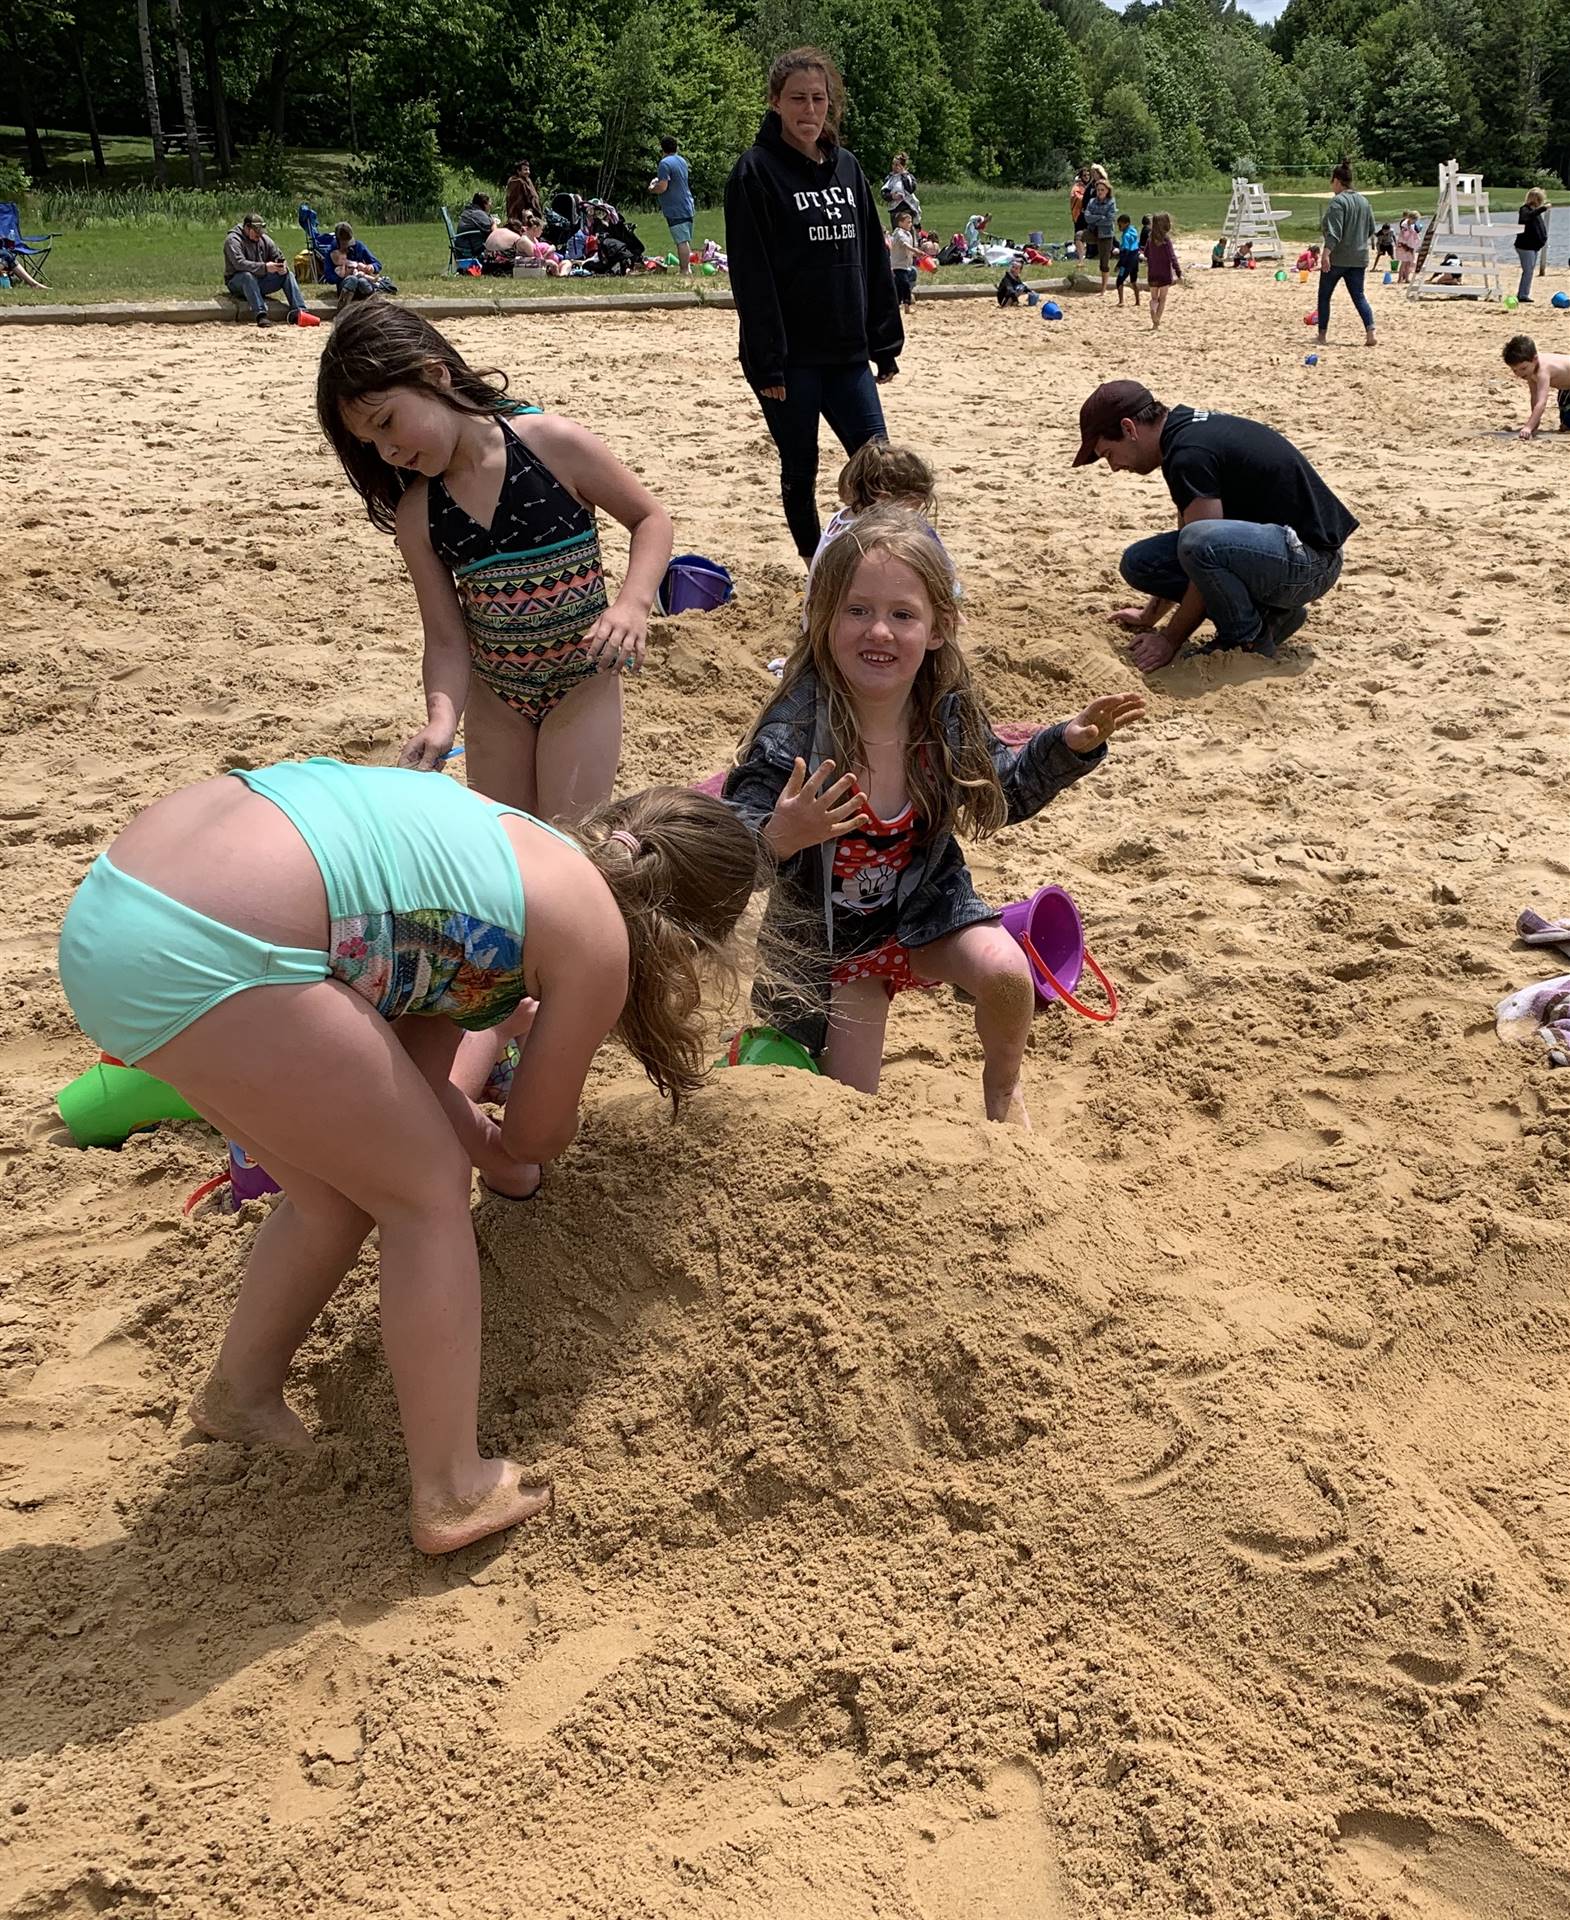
(629, 840)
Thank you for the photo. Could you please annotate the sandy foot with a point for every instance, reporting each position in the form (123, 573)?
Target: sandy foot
(443, 1529)
(217, 1412)
(1006, 1104)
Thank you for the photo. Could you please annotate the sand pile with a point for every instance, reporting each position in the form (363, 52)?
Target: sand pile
(1163, 1513)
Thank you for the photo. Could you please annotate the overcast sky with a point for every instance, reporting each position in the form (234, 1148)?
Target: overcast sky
(1265, 10)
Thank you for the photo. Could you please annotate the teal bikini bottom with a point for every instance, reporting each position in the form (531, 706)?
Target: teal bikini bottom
(138, 967)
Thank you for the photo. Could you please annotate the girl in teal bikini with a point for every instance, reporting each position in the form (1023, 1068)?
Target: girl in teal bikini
(326, 960)
(493, 504)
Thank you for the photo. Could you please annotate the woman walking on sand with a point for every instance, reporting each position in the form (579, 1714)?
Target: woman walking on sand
(814, 290)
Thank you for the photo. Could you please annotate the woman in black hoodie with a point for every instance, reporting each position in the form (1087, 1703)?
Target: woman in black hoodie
(1531, 240)
(810, 273)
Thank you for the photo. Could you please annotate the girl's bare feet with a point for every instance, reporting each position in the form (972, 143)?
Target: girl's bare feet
(442, 1525)
(220, 1413)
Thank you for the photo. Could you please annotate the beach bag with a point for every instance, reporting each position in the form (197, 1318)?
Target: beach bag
(951, 255)
(693, 585)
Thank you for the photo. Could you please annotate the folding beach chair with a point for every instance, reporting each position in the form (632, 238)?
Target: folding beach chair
(452, 243)
(35, 248)
(321, 244)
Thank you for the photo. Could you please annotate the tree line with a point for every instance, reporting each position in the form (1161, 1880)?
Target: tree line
(1015, 91)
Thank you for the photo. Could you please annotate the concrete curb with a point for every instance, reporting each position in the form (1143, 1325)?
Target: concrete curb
(185, 313)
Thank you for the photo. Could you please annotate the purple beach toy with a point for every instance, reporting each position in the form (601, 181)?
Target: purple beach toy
(1049, 929)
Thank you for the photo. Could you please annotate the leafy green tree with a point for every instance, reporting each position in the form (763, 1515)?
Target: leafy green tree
(1128, 141)
(402, 165)
(1031, 115)
(1415, 121)
(867, 37)
(1333, 83)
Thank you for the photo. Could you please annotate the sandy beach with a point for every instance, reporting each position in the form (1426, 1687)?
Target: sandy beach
(1164, 1513)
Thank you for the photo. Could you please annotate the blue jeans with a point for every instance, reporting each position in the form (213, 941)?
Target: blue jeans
(1528, 259)
(254, 288)
(1353, 276)
(1242, 568)
(847, 397)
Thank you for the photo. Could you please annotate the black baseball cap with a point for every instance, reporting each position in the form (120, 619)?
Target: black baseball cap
(1105, 410)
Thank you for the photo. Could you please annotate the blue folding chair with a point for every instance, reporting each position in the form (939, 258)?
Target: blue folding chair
(34, 247)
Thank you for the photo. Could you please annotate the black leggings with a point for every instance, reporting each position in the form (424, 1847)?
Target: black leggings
(847, 397)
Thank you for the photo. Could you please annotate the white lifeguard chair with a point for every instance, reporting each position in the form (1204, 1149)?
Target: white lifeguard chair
(1250, 216)
(1461, 242)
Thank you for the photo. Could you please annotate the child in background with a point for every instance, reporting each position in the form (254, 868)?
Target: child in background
(1544, 373)
(1101, 215)
(1162, 266)
(13, 268)
(1244, 257)
(881, 475)
(1409, 236)
(1144, 232)
(903, 253)
(359, 271)
(1218, 253)
(1128, 257)
(493, 503)
(1012, 288)
(857, 775)
(976, 232)
(1308, 260)
(1384, 245)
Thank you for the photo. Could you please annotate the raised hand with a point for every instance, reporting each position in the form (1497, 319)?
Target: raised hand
(1107, 714)
(812, 810)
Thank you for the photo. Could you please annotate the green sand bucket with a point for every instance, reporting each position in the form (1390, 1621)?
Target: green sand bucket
(765, 1047)
(108, 1103)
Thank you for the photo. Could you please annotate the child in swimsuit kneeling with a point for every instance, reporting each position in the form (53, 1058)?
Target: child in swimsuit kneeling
(493, 505)
(857, 774)
(334, 1002)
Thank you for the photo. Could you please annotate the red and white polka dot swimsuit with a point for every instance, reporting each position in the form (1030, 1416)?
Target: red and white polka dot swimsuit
(867, 867)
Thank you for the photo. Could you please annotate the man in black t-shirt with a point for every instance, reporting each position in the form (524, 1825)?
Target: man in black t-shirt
(1259, 533)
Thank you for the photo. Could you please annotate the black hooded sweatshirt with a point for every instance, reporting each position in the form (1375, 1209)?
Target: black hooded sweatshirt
(808, 265)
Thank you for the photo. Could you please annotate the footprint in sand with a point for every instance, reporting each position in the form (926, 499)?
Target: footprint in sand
(1005, 1868)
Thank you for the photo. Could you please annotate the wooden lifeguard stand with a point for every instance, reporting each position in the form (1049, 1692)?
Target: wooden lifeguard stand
(1462, 228)
(1250, 216)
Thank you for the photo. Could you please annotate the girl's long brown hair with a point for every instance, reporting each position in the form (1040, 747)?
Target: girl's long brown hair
(879, 471)
(954, 785)
(375, 347)
(681, 866)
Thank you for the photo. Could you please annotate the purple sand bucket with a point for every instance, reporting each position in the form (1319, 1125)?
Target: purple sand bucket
(247, 1179)
(694, 585)
(1048, 928)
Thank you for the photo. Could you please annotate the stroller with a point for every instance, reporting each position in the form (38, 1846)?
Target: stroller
(565, 223)
(616, 246)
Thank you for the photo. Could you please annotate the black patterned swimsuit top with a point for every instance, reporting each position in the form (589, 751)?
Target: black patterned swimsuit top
(530, 585)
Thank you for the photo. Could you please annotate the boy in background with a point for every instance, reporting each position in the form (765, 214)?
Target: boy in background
(1128, 257)
(1544, 373)
(904, 251)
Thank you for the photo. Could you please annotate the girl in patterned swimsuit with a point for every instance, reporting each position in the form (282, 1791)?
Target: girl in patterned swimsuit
(872, 894)
(493, 505)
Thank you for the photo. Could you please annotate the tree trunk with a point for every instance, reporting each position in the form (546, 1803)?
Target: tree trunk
(37, 159)
(348, 87)
(218, 104)
(278, 88)
(150, 82)
(87, 97)
(182, 58)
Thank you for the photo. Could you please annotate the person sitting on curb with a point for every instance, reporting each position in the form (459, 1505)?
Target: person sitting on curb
(1259, 537)
(254, 268)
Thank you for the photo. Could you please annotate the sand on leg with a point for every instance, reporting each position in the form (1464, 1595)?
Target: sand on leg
(987, 963)
(290, 1064)
(858, 1018)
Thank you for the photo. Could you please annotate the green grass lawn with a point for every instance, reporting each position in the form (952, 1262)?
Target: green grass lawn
(144, 256)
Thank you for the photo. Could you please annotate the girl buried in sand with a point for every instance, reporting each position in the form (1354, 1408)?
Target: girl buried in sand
(872, 893)
(493, 503)
(324, 960)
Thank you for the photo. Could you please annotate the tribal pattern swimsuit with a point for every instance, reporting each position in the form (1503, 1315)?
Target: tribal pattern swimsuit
(530, 585)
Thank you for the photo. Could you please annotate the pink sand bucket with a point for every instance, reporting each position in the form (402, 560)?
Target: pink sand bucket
(1052, 935)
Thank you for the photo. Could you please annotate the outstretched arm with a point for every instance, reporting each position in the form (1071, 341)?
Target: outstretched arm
(1542, 386)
